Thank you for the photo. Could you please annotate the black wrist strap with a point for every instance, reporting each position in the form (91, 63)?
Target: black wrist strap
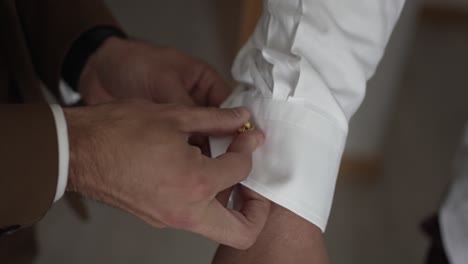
(82, 49)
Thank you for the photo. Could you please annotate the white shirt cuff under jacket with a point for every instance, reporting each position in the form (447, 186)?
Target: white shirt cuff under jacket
(63, 148)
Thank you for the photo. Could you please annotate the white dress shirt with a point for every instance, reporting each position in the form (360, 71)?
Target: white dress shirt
(303, 74)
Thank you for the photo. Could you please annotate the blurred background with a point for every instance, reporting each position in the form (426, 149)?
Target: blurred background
(398, 162)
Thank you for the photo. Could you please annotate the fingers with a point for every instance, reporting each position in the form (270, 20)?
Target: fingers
(235, 165)
(238, 229)
(201, 142)
(174, 96)
(213, 121)
(218, 93)
(210, 89)
(246, 142)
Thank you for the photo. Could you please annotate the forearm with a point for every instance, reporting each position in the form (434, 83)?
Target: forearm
(286, 238)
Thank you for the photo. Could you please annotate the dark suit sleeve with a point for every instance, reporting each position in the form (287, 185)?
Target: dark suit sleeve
(28, 138)
(29, 163)
(51, 27)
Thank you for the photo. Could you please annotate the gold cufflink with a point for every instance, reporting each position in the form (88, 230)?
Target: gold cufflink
(246, 127)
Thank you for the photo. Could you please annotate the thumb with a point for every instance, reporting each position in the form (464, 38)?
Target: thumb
(238, 229)
(235, 165)
(215, 122)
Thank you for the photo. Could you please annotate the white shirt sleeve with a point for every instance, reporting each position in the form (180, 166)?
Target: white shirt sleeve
(303, 74)
(64, 151)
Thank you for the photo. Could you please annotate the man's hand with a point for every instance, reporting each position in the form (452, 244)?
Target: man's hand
(136, 156)
(124, 69)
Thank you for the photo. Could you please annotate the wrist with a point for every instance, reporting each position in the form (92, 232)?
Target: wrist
(81, 143)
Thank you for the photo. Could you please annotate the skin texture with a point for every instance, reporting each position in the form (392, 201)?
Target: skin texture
(135, 155)
(128, 69)
(286, 238)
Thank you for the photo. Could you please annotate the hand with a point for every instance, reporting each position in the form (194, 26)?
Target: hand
(124, 69)
(131, 69)
(135, 156)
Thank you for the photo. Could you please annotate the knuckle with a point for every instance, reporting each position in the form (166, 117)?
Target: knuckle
(218, 117)
(219, 114)
(182, 122)
(198, 186)
(201, 189)
(179, 116)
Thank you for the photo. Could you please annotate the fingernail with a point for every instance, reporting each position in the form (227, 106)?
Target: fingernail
(256, 140)
(241, 112)
(253, 143)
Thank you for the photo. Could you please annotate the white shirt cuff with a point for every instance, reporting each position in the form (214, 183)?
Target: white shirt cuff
(298, 165)
(63, 148)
